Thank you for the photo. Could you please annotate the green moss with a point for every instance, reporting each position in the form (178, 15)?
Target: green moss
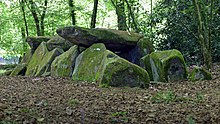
(34, 42)
(63, 65)
(45, 63)
(89, 64)
(116, 35)
(58, 42)
(145, 46)
(18, 69)
(145, 63)
(96, 64)
(36, 58)
(199, 73)
(120, 72)
(165, 66)
(27, 57)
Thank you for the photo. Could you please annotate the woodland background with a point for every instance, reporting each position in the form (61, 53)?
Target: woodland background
(191, 26)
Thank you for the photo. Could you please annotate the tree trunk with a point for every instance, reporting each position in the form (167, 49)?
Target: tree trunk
(34, 14)
(72, 12)
(22, 4)
(131, 14)
(39, 24)
(204, 36)
(42, 18)
(94, 14)
(120, 11)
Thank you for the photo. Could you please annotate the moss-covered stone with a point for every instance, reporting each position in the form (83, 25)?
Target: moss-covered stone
(34, 42)
(27, 57)
(96, 64)
(89, 64)
(36, 58)
(119, 72)
(44, 65)
(58, 42)
(6, 73)
(199, 73)
(63, 65)
(114, 40)
(20, 69)
(143, 47)
(165, 66)
(115, 35)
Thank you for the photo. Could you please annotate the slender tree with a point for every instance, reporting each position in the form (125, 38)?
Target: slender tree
(204, 36)
(72, 12)
(39, 21)
(94, 14)
(22, 4)
(120, 11)
(42, 17)
(24, 31)
(131, 14)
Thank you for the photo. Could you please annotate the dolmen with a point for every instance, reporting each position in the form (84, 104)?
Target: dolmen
(106, 57)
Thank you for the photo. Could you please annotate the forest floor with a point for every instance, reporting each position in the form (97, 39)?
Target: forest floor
(57, 100)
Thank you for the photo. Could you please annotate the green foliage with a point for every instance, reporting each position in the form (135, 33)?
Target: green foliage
(200, 97)
(168, 25)
(73, 102)
(119, 117)
(178, 33)
(190, 120)
(166, 97)
(120, 113)
(169, 97)
(2, 71)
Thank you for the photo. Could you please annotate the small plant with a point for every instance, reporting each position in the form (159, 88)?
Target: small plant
(199, 97)
(73, 102)
(104, 85)
(166, 97)
(190, 120)
(2, 72)
(24, 110)
(119, 117)
(121, 113)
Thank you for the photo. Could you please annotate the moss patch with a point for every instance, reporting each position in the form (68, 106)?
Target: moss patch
(145, 46)
(199, 73)
(27, 57)
(45, 63)
(20, 69)
(96, 64)
(58, 42)
(165, 66)
(36, 58)
(116, 35)
(119, 72)
(89, 64)
(63, 65)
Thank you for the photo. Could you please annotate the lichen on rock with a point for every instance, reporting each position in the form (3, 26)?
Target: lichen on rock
(44, 65)
(120, 72)
(63, 65)
(89, 64)
(21, 68)
(199, 73)
(96, 64)
(165, 66)
(58, 42)
(35, 59)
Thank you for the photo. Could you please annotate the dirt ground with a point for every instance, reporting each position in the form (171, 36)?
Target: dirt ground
(33, 100)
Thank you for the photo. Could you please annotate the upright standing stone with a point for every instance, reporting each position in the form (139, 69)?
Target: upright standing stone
(165, 66)
(37, 57)
(63, 65)
(96, 64)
